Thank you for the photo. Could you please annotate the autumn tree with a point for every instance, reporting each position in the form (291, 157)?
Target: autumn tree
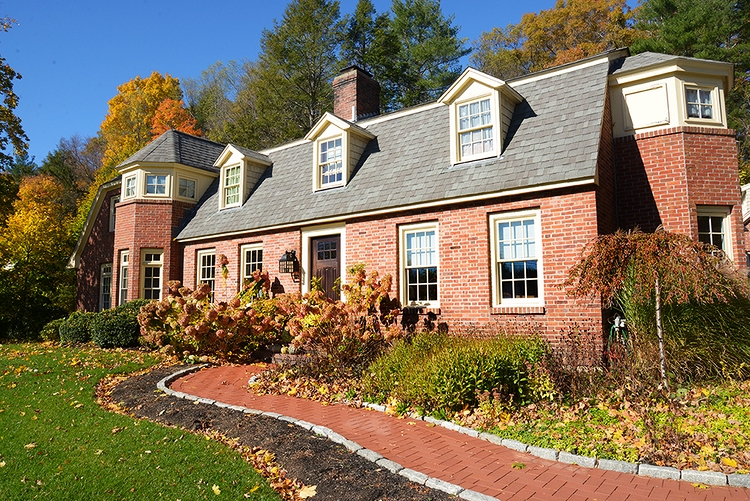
(291, 85)
(74, 164)
(709, 29)
(572, 30)
(35, 285)
(127, 126)
(172, 114)
(12, 136)
(658, 269)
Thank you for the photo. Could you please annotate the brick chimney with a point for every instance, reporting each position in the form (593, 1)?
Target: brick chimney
(356, 95)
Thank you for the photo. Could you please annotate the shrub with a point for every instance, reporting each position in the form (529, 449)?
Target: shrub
(51, 330)
(76, 328)
(118, 328)
(434, 371)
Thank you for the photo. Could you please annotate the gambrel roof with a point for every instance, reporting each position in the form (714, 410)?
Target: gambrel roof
(553, 141)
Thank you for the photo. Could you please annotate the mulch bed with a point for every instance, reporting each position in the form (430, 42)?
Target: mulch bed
(338, 473)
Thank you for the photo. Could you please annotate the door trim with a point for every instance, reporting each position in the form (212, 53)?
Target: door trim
(321, 231)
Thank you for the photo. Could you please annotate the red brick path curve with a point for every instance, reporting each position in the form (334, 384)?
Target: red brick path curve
(472, 463)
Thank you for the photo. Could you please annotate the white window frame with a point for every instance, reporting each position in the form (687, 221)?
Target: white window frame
(238, 186)
(491, 126)
(405, 266)
(205, 272)
(123, 278)
(152, 264)
(130, 186)
(322, 163)
(715, 104)
(496, 256)
(113, 201)
(724, 213)
(157, 175)
(180, 180)
(255, 264)
(105, 286)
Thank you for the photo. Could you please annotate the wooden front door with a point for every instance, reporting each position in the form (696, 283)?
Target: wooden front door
(326, 263)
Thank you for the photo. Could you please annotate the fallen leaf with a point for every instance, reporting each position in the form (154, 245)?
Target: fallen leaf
(30, 446)
(308, 491)
(729, 462)
(518, 466)
(216, 489)
(2, 464)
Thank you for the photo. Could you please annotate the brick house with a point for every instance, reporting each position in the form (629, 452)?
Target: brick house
(477, 204)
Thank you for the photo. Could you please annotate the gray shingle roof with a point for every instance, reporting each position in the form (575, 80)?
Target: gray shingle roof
(553, 138)
(646, 59)
(177, 147)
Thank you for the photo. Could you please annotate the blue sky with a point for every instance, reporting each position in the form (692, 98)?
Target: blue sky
(73, 54)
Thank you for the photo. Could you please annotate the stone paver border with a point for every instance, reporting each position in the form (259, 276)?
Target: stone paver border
(641, 469)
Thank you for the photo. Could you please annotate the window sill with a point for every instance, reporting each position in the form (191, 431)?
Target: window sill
(518, 310)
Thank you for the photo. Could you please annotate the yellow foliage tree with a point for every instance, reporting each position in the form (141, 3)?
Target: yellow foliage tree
(35, 245)
(572, 30)
(127, 126)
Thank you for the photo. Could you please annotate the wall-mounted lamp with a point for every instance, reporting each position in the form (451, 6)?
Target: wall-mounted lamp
(289, 264)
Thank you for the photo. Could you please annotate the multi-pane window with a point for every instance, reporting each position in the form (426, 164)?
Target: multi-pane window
(130, 186)
(151, 267)
(252, 259)
(207, 268)
(713, 226)
(124, 262)
(331, 164)
(232, 186)
(112, 218)
(420, 266)
(156, 184)
(699, 103)
(517, 274)
(105, 287)
(187, 188)
(475, 132)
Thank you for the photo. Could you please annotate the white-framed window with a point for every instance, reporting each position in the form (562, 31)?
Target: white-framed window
(124, 265)
(156, 184)
(105, 287)
(112, 217)
(713, 227)
(231, 186)
(206, 273)
(130, 184)
(475, 129)
(152, 261)
(419, 265)
(186, 188)
(700, 103)
(252, 259)
(517, 278)
(330, 163)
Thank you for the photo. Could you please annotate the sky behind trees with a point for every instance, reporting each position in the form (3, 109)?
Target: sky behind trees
(73, 55)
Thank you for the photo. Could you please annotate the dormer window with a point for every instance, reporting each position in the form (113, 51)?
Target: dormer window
(156, 184)
(480, 110)
(232, 181)
(475, 128)
(337, 147)
(699, 103)
(330, 165)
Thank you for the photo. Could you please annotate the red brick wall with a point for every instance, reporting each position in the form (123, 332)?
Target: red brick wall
(568, 221)
(97, 251)
(148, 224)
(663, 175)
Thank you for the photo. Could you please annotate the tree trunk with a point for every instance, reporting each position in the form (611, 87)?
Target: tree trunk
(660, 336)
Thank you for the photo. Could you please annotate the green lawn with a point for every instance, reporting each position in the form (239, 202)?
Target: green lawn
(57, 443)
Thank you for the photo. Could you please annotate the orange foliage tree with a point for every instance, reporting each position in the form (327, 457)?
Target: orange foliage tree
(172, 114)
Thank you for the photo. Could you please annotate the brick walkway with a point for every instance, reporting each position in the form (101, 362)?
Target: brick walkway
(447, 455)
